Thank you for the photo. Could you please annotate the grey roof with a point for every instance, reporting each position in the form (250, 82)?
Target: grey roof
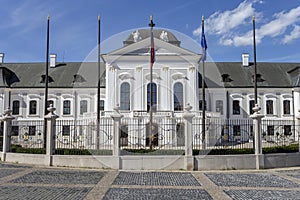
(273, 75)
(76, 74)
(29, 75)
(145, 33)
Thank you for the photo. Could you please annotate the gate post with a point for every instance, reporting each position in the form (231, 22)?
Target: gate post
(256, 116)
(188, 158)
(116, 138)
(298, 128)
(7, 119)
(51, 130)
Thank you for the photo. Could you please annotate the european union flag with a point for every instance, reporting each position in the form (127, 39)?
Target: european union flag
(203, 43)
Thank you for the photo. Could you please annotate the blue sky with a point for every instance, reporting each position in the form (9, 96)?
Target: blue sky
(228, 26)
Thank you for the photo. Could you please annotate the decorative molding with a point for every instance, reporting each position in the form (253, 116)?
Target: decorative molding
(192, 69)
(125, 75)
(154, 76)
(179, 75)
(165, 69)
(138, 69)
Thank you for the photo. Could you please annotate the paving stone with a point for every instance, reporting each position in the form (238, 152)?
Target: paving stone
(34, 193)
(263, 194)
(156, 178)
(61, 177)
(292, 173)
(155, 193)
(8, 172)
(250, 180)
(3, 165)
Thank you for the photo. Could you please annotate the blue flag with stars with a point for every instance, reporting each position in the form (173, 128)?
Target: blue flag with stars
(203, 43)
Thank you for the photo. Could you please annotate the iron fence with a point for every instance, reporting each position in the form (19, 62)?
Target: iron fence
(279, 133)
(84, 134)
(166, 133)
(28, 134)
(223, 133)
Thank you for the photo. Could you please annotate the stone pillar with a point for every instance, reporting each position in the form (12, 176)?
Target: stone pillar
(7, 119)
(297, 128)
(116, 138)
(51, 131)
(256, 116)
(188, 158)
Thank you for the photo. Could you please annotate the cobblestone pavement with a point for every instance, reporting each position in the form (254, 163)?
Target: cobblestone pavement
(35, 182)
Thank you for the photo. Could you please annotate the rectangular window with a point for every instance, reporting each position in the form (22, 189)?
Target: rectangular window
(200, 105)
(236, 107)
(236, 130)
(219, 106)
(32, 130)
(286, 107)
(32, 107)
(101, 104)
(270, 130)
(67, 107)
(15, 130)
(251, 106)
(269, 106)
(287, 129)
(66, 130)
(83, 106)
(16, 108)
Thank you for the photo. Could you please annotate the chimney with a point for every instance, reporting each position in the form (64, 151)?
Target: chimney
(245, 59)
(52, 60)
(1, 58)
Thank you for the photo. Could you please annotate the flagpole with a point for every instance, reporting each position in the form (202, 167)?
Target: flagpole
(203, 90)
(46, 79)
(151, 80)
(98, 87)
(255, 68)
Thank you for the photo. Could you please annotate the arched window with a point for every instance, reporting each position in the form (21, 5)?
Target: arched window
(286, 107)
(16, 108)
(83, 106)
(154, 97)
(270, 108)
(178, 96)
(33, 107)
(66, 107)
(125, 96)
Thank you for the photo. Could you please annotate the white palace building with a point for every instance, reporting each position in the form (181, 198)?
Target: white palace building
(125, 83)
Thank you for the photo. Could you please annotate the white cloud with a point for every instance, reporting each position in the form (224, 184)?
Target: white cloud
(229, 24)
(295, 34)
(274, 28)
(221, 23)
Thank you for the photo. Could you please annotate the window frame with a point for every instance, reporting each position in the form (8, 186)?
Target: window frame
(236, 111)
(178, 104)
(16, 109)
(125, 101)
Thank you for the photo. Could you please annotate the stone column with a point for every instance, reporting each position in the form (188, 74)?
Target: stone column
(297, 128)
(116, 138)
(188, 158)
(51, 131)
(256, 116)
(7, 119)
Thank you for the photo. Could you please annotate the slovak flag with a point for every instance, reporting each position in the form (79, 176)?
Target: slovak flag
(203, 43)
(152, 49)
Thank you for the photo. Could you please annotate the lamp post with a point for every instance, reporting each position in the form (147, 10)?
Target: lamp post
(255, 68)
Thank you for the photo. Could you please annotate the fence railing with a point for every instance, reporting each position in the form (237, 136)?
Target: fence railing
(167, 133)
(28, 134)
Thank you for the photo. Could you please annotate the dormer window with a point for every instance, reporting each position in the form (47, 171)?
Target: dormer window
(226, 78)
(78, 79)
(43, 79)
(258, 78)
